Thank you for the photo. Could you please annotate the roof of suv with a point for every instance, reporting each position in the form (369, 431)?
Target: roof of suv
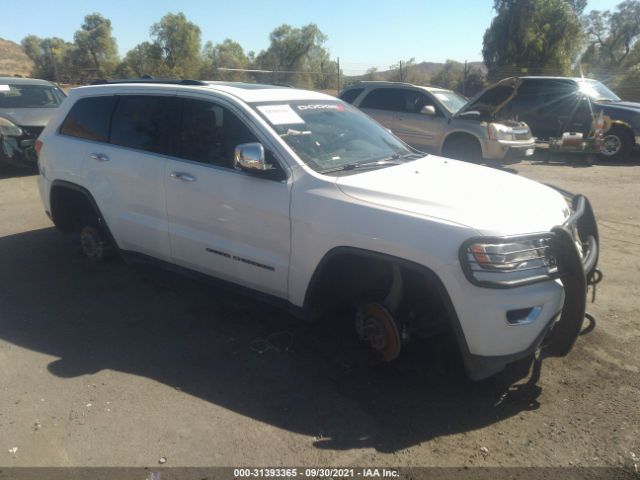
(248, 92)
(23, 81)
(382, 83)
(573, 79)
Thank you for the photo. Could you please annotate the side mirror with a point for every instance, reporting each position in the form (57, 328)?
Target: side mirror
(428, 110)
(250, 157)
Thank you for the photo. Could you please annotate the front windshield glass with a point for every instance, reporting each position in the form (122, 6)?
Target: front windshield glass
(331, 135)
(597, 91)
(29, 96)
(450, 100)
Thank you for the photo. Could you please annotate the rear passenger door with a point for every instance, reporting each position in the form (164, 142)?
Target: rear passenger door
(223, 222)
(126, 174)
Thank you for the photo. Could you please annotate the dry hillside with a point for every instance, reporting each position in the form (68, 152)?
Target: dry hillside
(426, 69)
(13, 60)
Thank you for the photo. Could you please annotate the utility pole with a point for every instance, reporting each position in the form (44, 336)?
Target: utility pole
(464, 79)
(338, 75)
(400, 70)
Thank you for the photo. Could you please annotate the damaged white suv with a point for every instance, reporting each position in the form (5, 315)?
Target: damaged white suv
(303, 198)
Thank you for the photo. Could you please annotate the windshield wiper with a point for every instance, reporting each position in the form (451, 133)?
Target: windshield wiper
(396, 159)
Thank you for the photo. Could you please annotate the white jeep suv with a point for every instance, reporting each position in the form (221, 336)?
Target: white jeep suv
(303, 198)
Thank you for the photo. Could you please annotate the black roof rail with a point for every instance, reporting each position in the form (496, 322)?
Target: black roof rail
(151, 80)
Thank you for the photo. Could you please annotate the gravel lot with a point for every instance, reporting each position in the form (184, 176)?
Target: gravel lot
(120, 365)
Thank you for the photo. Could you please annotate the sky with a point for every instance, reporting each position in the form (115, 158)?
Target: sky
(362, 33)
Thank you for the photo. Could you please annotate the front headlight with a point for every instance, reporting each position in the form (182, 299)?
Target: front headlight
(9, 129)
(497, 131)
(504, 262)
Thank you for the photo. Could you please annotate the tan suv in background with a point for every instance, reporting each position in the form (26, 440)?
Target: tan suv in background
(442, 122)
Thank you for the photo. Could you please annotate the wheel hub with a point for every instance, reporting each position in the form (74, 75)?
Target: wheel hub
(376, 326)
(611, 145)
(91, 243)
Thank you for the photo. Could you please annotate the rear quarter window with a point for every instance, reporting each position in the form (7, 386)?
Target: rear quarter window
(350, 95)
(89, 118)
(141, 122)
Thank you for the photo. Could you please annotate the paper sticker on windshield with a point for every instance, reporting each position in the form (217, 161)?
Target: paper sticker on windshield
(336, 107)
(4, 88)
(280, 114)
(441, 96)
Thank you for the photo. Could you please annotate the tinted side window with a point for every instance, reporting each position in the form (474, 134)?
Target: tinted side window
(89, 118)
(141, 122)
(385, 99)
(560, 90)
(414, 101)
(350, 95)
(528, 92)
(209, 133)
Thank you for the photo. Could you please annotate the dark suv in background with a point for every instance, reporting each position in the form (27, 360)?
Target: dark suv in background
(553, 105)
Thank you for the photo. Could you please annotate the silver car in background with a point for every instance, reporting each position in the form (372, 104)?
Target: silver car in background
(443, 122)
(26, 104)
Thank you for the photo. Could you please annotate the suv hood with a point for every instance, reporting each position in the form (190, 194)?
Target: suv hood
(28, 117)
(631, 106)
(482, 198)
(492, 99)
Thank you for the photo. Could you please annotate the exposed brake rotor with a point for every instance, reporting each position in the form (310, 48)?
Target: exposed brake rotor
(376, 326)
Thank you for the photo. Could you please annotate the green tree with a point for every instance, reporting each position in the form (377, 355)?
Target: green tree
(95, 40)
(453, 76)
(450, 75)
(578, 6)
(532, 36)
(48, 55)
(294, 50)
(143, 59)
(319, 60)
(475, 81)
(612, 35)
(178, 42)
(228, 54)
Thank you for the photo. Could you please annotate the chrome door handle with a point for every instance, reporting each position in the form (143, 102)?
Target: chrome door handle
(100, 157)
(185, 177)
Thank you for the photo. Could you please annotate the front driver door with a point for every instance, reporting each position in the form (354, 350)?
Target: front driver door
(420, 130)
(223, 222)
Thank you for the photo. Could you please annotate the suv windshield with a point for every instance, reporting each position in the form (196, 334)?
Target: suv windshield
(450, 100)
(597, 91)
(331, 135)
(29, 96)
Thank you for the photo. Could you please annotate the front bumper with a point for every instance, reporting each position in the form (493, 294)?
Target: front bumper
(555, 336)
(507, 150)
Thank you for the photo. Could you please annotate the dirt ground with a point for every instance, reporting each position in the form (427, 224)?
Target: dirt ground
(119, 365)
